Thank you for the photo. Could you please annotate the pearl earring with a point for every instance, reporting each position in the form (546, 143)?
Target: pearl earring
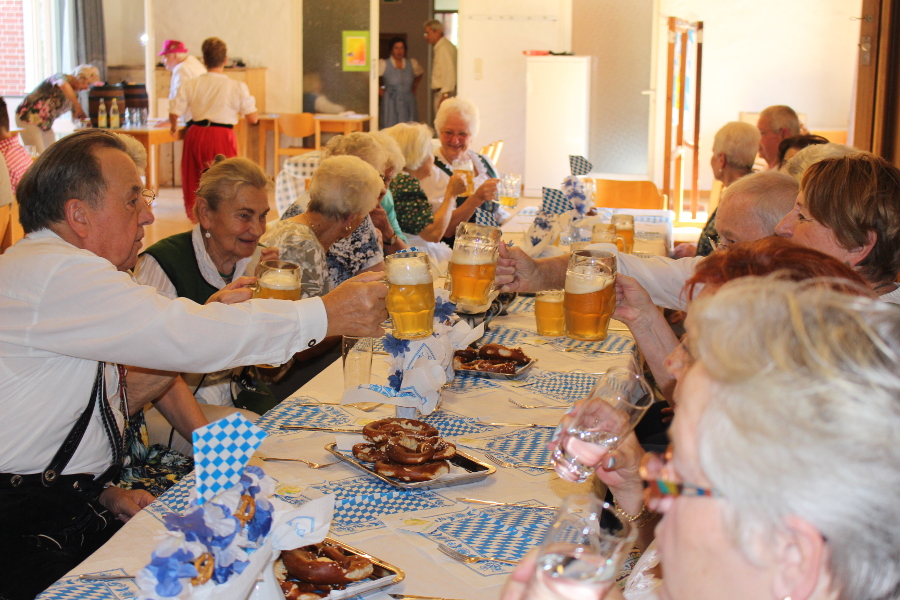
(207, 235)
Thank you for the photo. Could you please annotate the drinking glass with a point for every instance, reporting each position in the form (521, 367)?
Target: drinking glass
(129, 117)
(604, 232)
(582, 551)
(463, 166)
(612, 410)
(549, 314)
(510, 189)
(410, 298)
(277, 279)
(356, 354)
(473, 265)
(624, 225)
(590, 297)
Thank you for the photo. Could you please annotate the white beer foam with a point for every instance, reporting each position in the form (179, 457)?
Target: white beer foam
(408, 272)
(466, 254)
(578, 283)
(549, 298)
(278, 281)
(625, 226)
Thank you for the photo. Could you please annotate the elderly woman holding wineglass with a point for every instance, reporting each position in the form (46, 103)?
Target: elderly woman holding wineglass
(781, 478)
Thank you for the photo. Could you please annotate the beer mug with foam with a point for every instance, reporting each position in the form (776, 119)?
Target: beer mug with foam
(463, 166)
(473, 264)
(548, 312)
(410, 298)
(278, 280)
(590, 297)
(624, 229)
(604, 232)
(510, 189)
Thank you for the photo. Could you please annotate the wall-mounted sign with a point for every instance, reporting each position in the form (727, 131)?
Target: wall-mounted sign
(356, 50)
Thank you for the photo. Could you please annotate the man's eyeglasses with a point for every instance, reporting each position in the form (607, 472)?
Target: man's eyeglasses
(149, 197)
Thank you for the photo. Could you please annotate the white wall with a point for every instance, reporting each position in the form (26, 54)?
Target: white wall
(755, 54)
(270, 32)
(491, 66)
(123, 21)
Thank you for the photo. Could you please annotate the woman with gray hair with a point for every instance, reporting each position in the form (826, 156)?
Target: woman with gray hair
(343, 190)
(734, 150)
(51, 98)
(457, 124)
(424, 226)
(781, 479)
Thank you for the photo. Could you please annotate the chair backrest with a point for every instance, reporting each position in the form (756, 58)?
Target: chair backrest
(628, 194)
(492, 151)
(298, 125)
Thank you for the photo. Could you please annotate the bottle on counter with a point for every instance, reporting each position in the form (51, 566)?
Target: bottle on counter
(101, 116)
(114, 115)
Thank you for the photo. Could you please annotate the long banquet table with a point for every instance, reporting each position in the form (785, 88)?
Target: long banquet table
(404, 527)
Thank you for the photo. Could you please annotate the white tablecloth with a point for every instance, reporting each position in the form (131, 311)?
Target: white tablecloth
(372, 516)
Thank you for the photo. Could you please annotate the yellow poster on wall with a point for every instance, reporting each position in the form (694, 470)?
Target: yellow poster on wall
(356, 51)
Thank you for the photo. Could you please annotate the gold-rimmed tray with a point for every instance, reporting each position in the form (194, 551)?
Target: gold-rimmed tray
(477, 470)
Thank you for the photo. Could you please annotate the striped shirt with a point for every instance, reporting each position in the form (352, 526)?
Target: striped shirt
(17, 159)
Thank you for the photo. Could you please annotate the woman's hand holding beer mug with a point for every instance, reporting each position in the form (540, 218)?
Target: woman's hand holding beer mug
(357, 306)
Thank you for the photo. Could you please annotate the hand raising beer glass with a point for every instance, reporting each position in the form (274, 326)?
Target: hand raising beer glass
(473, 264)
(624, 225)
(410, 297)
(590, 298)
(278, 280)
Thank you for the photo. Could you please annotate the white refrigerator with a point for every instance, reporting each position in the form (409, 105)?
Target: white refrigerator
(557, 118)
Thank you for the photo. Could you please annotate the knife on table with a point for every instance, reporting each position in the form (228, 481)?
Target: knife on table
(492, 503)
(311, 428)
(516, 424)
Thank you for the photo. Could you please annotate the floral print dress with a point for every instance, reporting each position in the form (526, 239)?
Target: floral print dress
(298, 244)
(45, 103)
(153, 468)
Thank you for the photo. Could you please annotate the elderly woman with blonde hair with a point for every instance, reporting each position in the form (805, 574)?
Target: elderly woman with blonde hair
(734, 150)
(457, 125)
(51, 98)
(424, 226)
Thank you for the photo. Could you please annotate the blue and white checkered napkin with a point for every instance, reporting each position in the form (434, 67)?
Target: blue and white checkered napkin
(522, 446)
(176, 499)
(528, 211)
(288, 413)
(521, 305)
(73, 588)
(361, 500)
(579, 165)
(612, 343)
(468, 384)
(568, 387)
(505, 336)
(501, 532)
(451, 423)
(221, 451)
(555, 202)
(485, 218)
(650, 236)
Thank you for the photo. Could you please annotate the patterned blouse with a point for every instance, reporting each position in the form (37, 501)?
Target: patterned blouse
(45, 103)
(298, 244)
(411, 204)
(351, 255)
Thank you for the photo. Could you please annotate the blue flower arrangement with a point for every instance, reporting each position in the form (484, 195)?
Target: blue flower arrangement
(395, 347)
(443, 309)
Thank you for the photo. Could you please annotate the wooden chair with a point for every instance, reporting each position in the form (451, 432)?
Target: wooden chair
(492, 151)
(296, 125)
(612, 193)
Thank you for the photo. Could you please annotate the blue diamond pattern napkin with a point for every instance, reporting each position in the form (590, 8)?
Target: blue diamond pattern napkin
(555, 202)
(288, 413)
(485, 218)
(579, 165)
(221, 451)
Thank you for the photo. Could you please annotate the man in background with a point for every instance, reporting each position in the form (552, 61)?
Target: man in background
(775, 123)
(182, 65)
(443, 63)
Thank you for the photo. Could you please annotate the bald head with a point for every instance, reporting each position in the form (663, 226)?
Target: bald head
(752, 206)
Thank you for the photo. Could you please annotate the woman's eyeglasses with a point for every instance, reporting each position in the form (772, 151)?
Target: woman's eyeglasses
(662, 482)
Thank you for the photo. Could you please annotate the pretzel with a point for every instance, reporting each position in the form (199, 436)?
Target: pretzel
(384, 429)
(369, 452)
(204, 565)
(409, 450)
(322, 564)
(498, 352)
(425, 472)
(246, 509)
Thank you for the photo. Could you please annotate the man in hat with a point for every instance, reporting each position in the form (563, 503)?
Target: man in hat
(183, 66)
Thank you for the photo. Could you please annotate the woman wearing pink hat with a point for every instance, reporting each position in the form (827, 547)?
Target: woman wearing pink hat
(212, 104)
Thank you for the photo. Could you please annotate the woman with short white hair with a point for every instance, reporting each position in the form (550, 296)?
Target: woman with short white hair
(423, 227)
(343, 190)
(457, 124)
(50, 99)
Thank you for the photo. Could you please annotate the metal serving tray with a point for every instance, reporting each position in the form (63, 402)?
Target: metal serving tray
(477, 471)
(383, 575)
(521, 372)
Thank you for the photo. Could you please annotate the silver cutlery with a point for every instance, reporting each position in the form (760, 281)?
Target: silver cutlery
(311, 428)
(520, 405)
(509, 465)
(365, 406)
(317, 404)
(525, 425)
(411, 597)
(308, 463)
(516, 504)
(104, 577)
(465, 558)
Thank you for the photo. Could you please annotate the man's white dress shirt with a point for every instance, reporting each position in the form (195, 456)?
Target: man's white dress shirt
(186, 70)
(443, 67)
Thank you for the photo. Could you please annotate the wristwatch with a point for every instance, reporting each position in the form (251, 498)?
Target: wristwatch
(393, 240)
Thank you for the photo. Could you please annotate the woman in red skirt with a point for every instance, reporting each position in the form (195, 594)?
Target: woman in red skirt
(216, 103)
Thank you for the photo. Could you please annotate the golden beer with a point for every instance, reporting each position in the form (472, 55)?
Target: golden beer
(469, 174)
(510, 201)
(625, 230)
(589, 303)
(410, 298)
(471, 283)
(278, 285)
(549, 314)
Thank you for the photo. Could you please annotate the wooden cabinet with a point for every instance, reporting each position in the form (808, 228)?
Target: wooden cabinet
(255, 78)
